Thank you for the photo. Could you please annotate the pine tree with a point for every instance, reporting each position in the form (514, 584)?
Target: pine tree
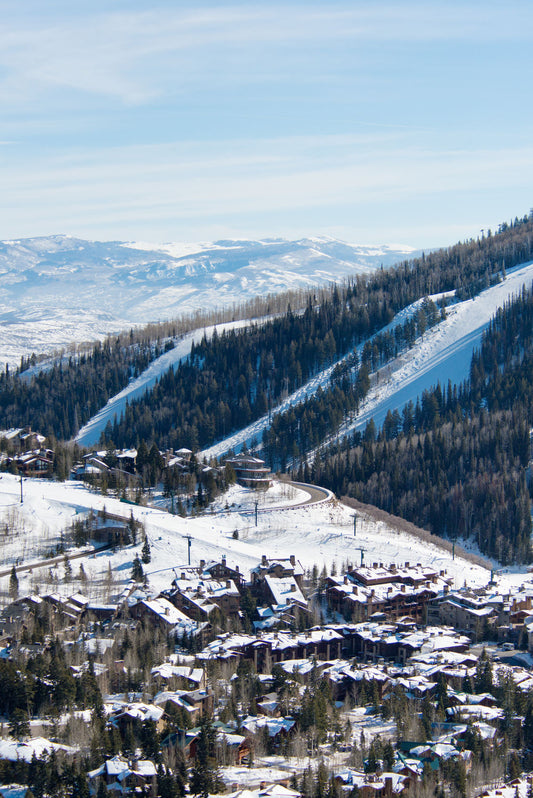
(19, 726)
(13, 584)
(145, 551)
(132, 526)
(137, 573)
(204, 775)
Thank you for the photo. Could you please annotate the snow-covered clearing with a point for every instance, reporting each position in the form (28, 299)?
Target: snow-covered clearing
(321, 534)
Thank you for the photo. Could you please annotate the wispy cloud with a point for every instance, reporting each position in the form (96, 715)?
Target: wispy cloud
(135, 56)
(271, 117)
(178, 185)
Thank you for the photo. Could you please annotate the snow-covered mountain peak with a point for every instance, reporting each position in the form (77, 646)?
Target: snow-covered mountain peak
(60, 289)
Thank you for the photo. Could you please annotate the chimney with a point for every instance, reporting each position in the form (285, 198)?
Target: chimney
(293, 559)
(264, 560)
(202, 564)
(345, 580)
(407, 564)
(354, 590)
(224, 559)
(237, 568)
(183, 575)
(228, 584)
(402, 588)
(293, 588)
(374, 565)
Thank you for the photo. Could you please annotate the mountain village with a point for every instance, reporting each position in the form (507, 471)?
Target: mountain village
(363, 677)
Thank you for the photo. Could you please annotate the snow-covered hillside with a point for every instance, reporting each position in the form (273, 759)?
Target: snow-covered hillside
(443, 354)
(57, 290)
(321, 534)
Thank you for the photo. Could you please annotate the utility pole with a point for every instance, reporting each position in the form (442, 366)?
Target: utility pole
(256, 504)
(354, 516)
(21, 491)
(188, 539)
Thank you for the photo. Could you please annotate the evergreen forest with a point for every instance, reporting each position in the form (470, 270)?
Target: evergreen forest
(455, 463)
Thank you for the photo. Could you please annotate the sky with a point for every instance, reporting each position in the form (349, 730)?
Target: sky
(399, 122)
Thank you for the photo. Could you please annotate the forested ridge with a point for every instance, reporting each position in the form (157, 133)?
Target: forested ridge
(305, 426)
(456, 461)
(238, 376)
(57, 401)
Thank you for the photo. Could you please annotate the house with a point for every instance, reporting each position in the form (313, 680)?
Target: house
(122, 777)
(278, 568)
(163, 614)
(370, 785)
(124, 714)
(220, 571)
(251, 472)
(395, 591)
(234, 748)
(468, 616)
(185, 676)
(195, 703)
(198, 597)
(35, 463)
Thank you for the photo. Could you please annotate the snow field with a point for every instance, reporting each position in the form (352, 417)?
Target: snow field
(316, 534)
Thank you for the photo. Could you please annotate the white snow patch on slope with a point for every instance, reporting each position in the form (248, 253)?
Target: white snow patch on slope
(320, 534)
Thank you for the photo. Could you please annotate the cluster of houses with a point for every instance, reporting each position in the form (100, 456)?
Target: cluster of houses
(423, 594)
(26, 453)
(392, 628)
(250, 471)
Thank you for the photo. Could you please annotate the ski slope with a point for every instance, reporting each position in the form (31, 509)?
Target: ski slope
(443, 353)
(89, 434)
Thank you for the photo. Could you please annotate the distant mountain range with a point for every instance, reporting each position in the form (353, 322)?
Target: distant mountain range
(56, 290)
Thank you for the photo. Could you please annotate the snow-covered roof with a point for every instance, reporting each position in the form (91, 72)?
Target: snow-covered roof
(13, 749)
(165, 610)
(285, 590)
(169, 671)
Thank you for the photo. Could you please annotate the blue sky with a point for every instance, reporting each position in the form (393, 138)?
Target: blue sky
(373, 122)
